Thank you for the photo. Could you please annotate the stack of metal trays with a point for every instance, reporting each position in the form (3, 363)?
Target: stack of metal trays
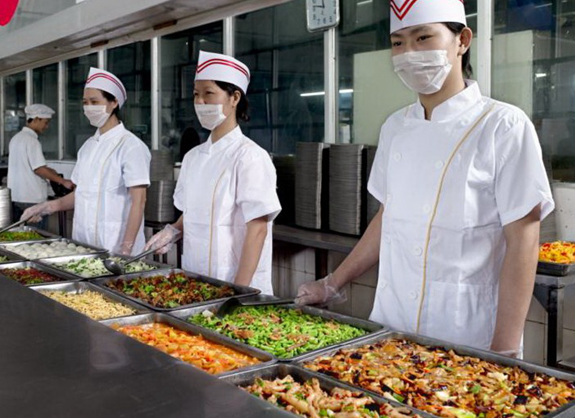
(160, 201)
(310, 193)
(5, 207)
(372, 204)
(285, 168)
(162, 166)
(346, 188)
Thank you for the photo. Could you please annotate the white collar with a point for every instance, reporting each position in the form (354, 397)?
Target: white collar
(112, 133)
(30, 131)
(452, 107)
(209, 147)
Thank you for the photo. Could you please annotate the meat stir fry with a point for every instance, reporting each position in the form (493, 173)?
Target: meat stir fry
(444, 383)
(309, 400)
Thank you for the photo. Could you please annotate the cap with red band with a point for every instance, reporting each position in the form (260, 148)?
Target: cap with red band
(108, 82)
(406, 13)
(219, 67)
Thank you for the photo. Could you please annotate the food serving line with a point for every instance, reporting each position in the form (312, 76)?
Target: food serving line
(59, 362)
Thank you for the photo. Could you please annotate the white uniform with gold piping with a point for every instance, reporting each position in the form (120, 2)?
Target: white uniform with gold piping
(222, 187)
(107, 166)
(449, 186)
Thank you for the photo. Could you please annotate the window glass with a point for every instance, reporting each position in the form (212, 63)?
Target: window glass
(46, 92)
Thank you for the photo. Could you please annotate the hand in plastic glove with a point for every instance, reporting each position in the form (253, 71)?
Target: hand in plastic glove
(35, 213)
(320, 292)
(164, 240)
(125, 248)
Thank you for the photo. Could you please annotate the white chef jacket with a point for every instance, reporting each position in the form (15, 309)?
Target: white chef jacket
(107, 166)
(25, 156)
(221, 188)
(442, 242)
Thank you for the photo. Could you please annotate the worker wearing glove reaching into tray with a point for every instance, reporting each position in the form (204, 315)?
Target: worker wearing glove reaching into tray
(462, 188)
(227, 185)
(111, 175)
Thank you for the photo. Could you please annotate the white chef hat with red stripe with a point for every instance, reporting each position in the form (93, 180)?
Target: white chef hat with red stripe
(219, 67)
(108, 82)
(406, 13)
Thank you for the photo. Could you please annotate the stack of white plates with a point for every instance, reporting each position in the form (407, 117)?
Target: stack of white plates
(345, 188)
(285, 169)
(5, 207)
(160, 201)
(162, 166)
(311, 164)
(373, 204)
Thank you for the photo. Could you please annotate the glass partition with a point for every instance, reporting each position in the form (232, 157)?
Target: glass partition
(46, 92)
(14, 104)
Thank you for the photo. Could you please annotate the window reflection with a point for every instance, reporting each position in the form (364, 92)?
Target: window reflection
(46, 92)
(180, 128)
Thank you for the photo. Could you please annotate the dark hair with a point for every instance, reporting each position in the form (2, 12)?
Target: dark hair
(243, 109)
(110, 97)
(466, 67)
(30, 120)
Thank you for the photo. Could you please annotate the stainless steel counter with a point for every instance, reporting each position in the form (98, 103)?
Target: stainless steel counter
(55, 362)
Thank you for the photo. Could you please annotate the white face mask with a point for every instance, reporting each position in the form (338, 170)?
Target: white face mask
(423, 71)
(97, 115)
(210, 115)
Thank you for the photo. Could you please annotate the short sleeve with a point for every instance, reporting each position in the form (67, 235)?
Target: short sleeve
(136, 167)
(256, 186)
(35, 156)
(521, 181)
(377, 184)
(180, 192)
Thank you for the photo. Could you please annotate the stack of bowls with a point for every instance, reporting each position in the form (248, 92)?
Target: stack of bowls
(372, 204)
(346, 188)
(285, 169)
(160, 201)
(5, 207)
(311, 168)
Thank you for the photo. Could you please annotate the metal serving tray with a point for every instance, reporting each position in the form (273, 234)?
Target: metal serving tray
(265, 358)
(241, 291)
(371, 327)
(12, 258)
(81, 287)
(566, 411)
(281, 370)
(554, 269)
(8, 247)
(65, 259)
(47, 235)
(46, 269)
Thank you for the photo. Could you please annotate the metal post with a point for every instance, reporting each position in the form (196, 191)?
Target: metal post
(2, 104)
(484, 44)
(156, 105)
(29, 88)
(229, 29)
(331, 130)
(102, 59)
(555, 324)
(61, 109)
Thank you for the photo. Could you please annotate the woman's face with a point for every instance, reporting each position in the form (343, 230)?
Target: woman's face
(433, 36)
(95, 97)
(208, 92)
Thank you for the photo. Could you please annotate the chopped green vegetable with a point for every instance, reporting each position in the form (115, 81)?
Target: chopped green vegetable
(283, 332)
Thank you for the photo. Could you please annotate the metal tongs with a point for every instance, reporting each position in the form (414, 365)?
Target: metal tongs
(232, 304)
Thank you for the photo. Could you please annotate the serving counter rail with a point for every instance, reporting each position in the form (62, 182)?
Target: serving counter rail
(56, 362)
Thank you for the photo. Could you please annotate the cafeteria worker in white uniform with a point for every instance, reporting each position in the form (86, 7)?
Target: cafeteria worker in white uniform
(111, 175)
(227, 185)
(462, 188)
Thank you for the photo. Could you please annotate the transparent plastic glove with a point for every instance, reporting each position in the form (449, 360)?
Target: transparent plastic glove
(35, 213)
(164, 240)
(511, 353)
(320, 292)
(125, 248)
